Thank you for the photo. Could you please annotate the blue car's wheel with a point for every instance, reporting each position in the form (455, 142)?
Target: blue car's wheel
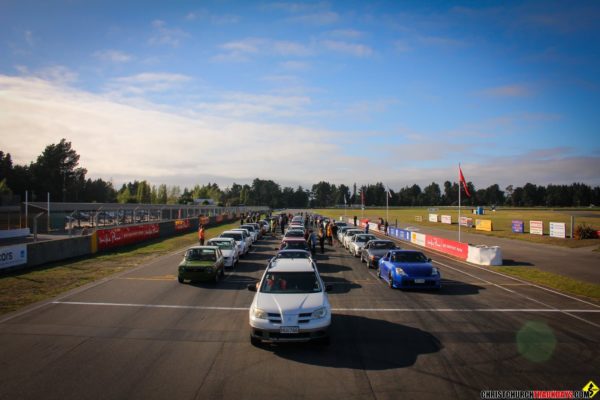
(378, 272)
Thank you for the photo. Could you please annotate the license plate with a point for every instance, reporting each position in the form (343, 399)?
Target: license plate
(419, 280)
(288, 329)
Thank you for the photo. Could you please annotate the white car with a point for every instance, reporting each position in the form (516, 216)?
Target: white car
(358, 243)
(229, 248)
(348, 236)
(239, 240)
(290, 304)
(252, 230)
(247, 236)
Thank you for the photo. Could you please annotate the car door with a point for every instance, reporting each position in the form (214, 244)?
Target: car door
(384, 265)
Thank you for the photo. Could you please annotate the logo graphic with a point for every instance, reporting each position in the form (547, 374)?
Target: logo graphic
(591, 388)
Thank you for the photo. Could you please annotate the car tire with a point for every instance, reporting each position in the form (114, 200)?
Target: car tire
(390, 281)
(378, 272)
(179, 279)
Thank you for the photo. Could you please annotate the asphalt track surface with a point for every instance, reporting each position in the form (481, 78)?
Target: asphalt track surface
(142, 335)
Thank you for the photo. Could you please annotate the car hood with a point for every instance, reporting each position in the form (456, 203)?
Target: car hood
(378, 253)
(290, 303)
(198, 263)
(416, 269)
(227, 253)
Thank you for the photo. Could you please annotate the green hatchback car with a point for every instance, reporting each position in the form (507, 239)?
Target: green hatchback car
(202, 263)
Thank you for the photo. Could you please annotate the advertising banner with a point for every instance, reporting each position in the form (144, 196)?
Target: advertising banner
(417, 238)
(456, 249)
(433, 218)
(483, 225)
(557, 230)
(536, 227)
(404, 235)
(447, 219)
(466, 221)
(115, 237)
(11, 256)
(182, 224)
(518, 226)
(418, 218)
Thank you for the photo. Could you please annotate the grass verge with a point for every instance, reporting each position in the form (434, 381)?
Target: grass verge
(21, 288)
(554, 281)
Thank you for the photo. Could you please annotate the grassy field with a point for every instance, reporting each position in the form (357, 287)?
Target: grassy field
(501, 221)
(21, 288)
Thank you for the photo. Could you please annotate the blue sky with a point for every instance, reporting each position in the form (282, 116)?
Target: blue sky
(399, 92)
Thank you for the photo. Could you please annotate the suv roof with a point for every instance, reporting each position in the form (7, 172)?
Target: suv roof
(292, 265)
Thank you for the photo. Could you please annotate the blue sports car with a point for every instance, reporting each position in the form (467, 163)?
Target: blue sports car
(408, 269)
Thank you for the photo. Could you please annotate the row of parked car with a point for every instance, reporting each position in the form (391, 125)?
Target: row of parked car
(208, 262)
(400, 268)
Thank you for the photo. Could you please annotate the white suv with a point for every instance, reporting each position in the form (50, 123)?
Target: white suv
(290, 304)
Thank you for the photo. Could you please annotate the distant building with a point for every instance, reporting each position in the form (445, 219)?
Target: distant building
(204, 202)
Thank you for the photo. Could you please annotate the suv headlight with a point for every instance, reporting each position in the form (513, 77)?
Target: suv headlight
(260, 314)
(319, 313)
(434, 271)
(400, 271)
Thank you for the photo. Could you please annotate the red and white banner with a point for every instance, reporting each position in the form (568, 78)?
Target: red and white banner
(536, 227)
(116, 237)
(456, 249)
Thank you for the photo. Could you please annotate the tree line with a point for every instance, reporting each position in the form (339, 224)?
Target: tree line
(56, 171)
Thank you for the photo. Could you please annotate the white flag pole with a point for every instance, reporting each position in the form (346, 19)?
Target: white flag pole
(387, 204)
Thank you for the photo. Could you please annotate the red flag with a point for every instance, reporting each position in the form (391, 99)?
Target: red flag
(462, 180)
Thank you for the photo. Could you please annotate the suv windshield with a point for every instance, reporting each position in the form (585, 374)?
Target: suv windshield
(293, 254)
(290, 282)
(236, 236)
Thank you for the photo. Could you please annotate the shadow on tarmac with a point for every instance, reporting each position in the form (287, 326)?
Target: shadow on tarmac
(362, 343)
(507, 262)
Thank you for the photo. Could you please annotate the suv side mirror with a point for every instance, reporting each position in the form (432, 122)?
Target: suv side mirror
(328, 288)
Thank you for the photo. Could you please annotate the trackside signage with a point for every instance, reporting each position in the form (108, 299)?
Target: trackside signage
(557, 230)
(536, 227)
(417, 238)
(11, 256)
(518, 226)
(466, 221)
(110, 238)
(433, 218)
(483, 225)
(456, 249)
(447, 219)
(182, 224)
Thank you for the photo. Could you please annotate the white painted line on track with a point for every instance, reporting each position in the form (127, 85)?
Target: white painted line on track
(518, 294)
(491, 271)
(440, 310)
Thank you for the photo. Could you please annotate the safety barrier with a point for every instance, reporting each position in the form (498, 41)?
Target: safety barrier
(476, 254)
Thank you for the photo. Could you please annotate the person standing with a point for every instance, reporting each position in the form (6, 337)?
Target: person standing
(322, 239)
(355, 220)
(312, 241)
(386, 226)
(367, 226)
(201, 235)
(330, 233)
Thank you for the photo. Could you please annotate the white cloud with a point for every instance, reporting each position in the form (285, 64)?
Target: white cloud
(146, 82)
(295, 65)
(354, 49)
(347, 33)
(242, 50)
(29, 38)
(126, 142)
(114, 56)
(166, 36)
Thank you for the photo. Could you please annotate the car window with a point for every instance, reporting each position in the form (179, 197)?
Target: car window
(293, 254)
(409, 257)
(201, 255)
(236, 236)
(382, 245)
(290, 282)
(223, 244)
